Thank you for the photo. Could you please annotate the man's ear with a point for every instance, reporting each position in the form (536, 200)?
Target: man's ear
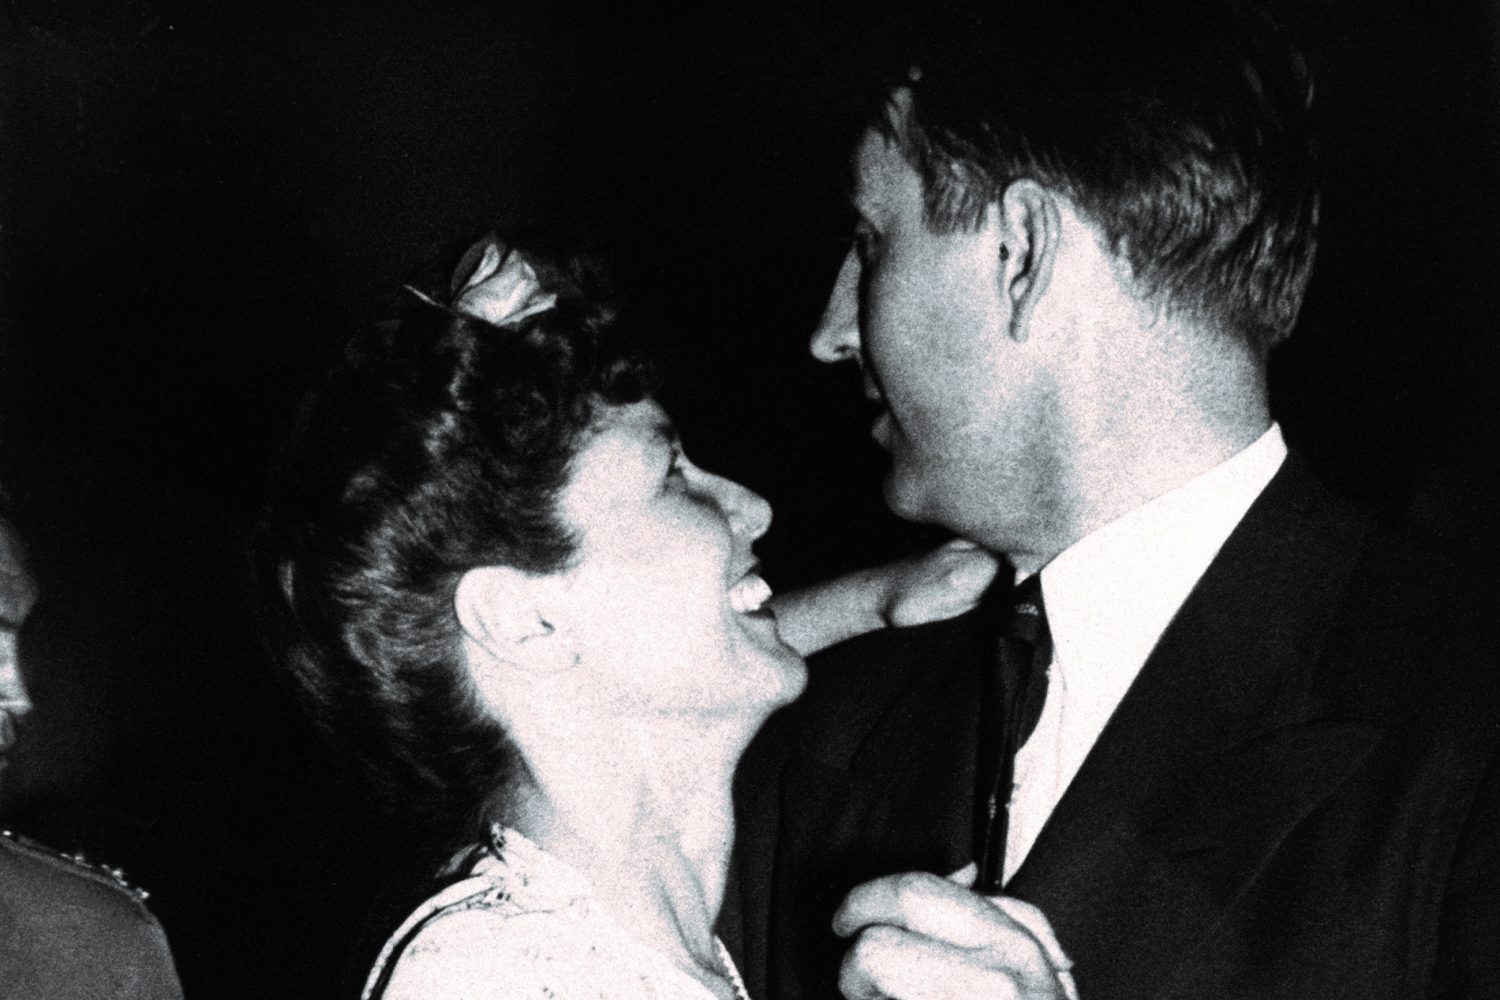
(1030, 229)
(505, 612)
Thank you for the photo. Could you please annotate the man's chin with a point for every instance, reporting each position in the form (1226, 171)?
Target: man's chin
(905, 496)
(923, 500)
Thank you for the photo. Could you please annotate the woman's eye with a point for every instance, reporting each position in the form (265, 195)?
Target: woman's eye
(677, 467)
(866, 242)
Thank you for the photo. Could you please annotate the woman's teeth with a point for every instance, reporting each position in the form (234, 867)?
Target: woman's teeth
(749, 594)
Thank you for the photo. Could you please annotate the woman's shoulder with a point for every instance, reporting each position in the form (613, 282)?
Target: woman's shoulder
(494, 950)
(519, 925)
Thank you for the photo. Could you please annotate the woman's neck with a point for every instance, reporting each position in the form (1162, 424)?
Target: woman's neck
(648, 821)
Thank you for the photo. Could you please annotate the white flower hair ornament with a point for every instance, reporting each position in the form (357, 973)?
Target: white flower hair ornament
(495, 283)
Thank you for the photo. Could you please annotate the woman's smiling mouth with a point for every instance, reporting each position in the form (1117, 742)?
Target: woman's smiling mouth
(749, 594)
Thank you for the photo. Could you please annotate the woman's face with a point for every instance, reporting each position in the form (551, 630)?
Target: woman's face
(668, 604)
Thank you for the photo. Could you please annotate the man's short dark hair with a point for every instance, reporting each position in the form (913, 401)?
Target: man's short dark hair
(1181, 128)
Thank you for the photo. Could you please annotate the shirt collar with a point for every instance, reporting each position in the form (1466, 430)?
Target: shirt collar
(1111, 595)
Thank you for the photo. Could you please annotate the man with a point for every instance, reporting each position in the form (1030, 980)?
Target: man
(1265, 761)
(68, 930)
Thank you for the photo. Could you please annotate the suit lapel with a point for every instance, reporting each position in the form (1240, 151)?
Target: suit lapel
(1219, 748)
(886, 786)
(881, 782)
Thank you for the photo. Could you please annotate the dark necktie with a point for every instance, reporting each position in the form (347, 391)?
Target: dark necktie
(1013, 691)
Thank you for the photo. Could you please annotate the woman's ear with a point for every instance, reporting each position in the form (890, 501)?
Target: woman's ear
(504, 612)
(1030, 229)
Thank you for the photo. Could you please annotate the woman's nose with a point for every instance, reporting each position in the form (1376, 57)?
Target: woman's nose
(837, 335)
(748, 512)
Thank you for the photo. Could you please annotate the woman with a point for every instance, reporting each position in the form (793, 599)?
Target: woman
(542, 627)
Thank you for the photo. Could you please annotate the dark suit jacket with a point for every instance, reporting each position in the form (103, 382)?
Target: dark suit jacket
(73, 931)
(1298, 797)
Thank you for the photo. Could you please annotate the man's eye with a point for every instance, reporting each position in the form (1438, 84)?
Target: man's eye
(866, 243)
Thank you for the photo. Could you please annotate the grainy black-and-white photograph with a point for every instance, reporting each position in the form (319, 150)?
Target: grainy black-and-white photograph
(754, 501)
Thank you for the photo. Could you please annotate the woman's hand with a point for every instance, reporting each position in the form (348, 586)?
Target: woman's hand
(935, 585)
(928, 587)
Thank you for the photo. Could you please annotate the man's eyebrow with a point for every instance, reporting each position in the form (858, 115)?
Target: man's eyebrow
(853, 188)
(857, 206)
(864, 200)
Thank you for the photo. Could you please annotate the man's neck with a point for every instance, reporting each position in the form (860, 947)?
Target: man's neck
(1136, 462)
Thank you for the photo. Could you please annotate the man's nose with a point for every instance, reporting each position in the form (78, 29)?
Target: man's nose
(837, 335)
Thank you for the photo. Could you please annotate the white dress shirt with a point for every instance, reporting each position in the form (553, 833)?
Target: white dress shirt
(1109, 597)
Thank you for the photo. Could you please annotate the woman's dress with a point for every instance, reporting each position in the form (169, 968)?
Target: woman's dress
(523, 924)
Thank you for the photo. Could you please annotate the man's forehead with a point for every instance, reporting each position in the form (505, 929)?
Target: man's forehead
(880, 176)
(878, 166)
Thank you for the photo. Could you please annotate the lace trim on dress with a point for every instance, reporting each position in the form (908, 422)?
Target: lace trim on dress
(521, 880)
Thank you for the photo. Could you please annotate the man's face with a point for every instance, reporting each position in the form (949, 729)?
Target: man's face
(17, 595)
(926, 316)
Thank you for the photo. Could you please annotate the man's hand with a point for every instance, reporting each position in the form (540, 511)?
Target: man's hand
(935, 585)
(918, 936)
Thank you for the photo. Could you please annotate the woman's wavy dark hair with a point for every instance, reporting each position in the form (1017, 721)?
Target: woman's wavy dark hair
(439, 443)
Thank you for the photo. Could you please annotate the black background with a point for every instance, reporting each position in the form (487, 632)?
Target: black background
(201, 201)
